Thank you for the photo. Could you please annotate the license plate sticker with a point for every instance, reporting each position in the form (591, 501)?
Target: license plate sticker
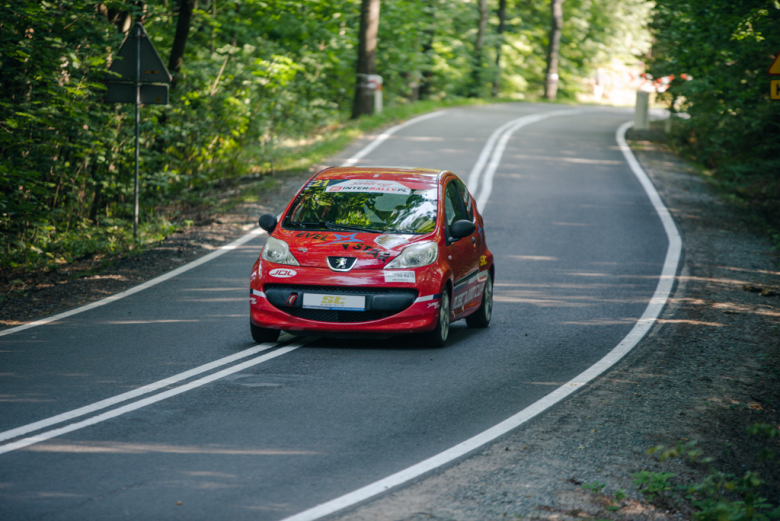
(399, 276)
(338, 302)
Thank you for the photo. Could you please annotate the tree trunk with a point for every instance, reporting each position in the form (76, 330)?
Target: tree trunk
(551, 80)
(427, 48)
(476, 72)
(366, 62)
(180, 39)
(501, 23)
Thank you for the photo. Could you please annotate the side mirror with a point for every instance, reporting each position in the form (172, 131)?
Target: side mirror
(461, 229)
(268, 222)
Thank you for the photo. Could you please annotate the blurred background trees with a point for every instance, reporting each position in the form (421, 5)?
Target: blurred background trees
(253, 80)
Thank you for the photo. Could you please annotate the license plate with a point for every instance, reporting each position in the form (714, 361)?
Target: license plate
(342, 302)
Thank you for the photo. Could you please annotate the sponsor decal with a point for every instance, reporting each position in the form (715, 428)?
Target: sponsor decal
(390, 241)
(339, 302)
(458, 301)
(374, 186)
(253, 300)
(303, 250)
(282, 273)
(467, 296)
(370, 250)
(434, 305)
(482, 260)
(313, 236)
(399, 276)
(318, 182)
(339, 239)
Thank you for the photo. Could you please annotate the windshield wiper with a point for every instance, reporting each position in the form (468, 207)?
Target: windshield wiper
(335, 226)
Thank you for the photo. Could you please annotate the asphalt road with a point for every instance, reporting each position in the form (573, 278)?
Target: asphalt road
(578, 250)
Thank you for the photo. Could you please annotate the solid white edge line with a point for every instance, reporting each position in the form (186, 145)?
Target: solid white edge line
(25, 442)
(108, 402)
(213, 255)
(381, 138)
(148, 284)
(657, 302)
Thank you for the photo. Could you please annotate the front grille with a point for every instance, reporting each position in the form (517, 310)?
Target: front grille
(342, 290)
(331, 315)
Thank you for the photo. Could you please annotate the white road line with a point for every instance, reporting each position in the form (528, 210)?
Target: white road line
(495, 159)
(473, 182)
(146, 389)
(25, 442)
(381, 138)
(639, 330)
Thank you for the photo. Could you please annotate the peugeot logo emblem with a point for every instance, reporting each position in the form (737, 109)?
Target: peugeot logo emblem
(341, 263)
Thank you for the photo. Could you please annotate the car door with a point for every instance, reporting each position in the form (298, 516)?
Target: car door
(462, 254)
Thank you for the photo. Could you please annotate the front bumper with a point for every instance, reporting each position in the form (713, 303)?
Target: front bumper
(391, 308)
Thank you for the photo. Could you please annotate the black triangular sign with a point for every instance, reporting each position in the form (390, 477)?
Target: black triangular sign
(152, 67)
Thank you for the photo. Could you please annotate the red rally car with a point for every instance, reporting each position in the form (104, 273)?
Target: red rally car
(373, 251)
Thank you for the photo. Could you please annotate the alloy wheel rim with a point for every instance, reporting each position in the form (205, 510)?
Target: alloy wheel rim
(489, 298)
(444, 316)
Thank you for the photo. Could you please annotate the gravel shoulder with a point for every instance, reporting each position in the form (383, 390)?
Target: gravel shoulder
(708, 369)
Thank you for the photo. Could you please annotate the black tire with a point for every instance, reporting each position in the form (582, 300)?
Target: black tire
(438, 337)
(481, 317)
(263, 334)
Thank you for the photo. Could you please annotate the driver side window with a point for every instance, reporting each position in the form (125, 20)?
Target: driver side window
(453, 205)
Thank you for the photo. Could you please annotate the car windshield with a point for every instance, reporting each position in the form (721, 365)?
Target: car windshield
(370, 205)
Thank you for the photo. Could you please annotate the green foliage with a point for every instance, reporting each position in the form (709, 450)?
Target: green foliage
(653, 484)
(594, 487)
(727, 46)
(720, 496)
(714, 498)
(264, 85)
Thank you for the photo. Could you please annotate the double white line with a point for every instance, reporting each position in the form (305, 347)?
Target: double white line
(494, 149)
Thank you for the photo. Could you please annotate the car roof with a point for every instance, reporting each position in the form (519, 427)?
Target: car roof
(423, 177)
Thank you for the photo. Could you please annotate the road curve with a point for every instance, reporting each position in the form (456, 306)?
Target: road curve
(578, 248)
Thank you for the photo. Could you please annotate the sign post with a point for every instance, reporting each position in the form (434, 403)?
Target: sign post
(128, 84)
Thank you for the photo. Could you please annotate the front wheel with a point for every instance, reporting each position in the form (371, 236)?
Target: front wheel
(481, 317)
(438, 337)
(263, 334)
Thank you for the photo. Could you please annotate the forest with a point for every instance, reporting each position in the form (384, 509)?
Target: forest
(258, 83)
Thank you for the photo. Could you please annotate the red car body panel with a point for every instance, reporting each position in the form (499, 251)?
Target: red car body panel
(461, 267)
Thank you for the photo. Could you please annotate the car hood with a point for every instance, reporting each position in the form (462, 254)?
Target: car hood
(371, 250)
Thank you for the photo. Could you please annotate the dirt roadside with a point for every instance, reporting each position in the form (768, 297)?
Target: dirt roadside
(707, 370)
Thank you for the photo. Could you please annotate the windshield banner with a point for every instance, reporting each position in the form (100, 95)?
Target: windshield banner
(368, 186)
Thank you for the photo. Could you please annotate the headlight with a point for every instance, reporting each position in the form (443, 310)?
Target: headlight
(277, 251)
(415, 256)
